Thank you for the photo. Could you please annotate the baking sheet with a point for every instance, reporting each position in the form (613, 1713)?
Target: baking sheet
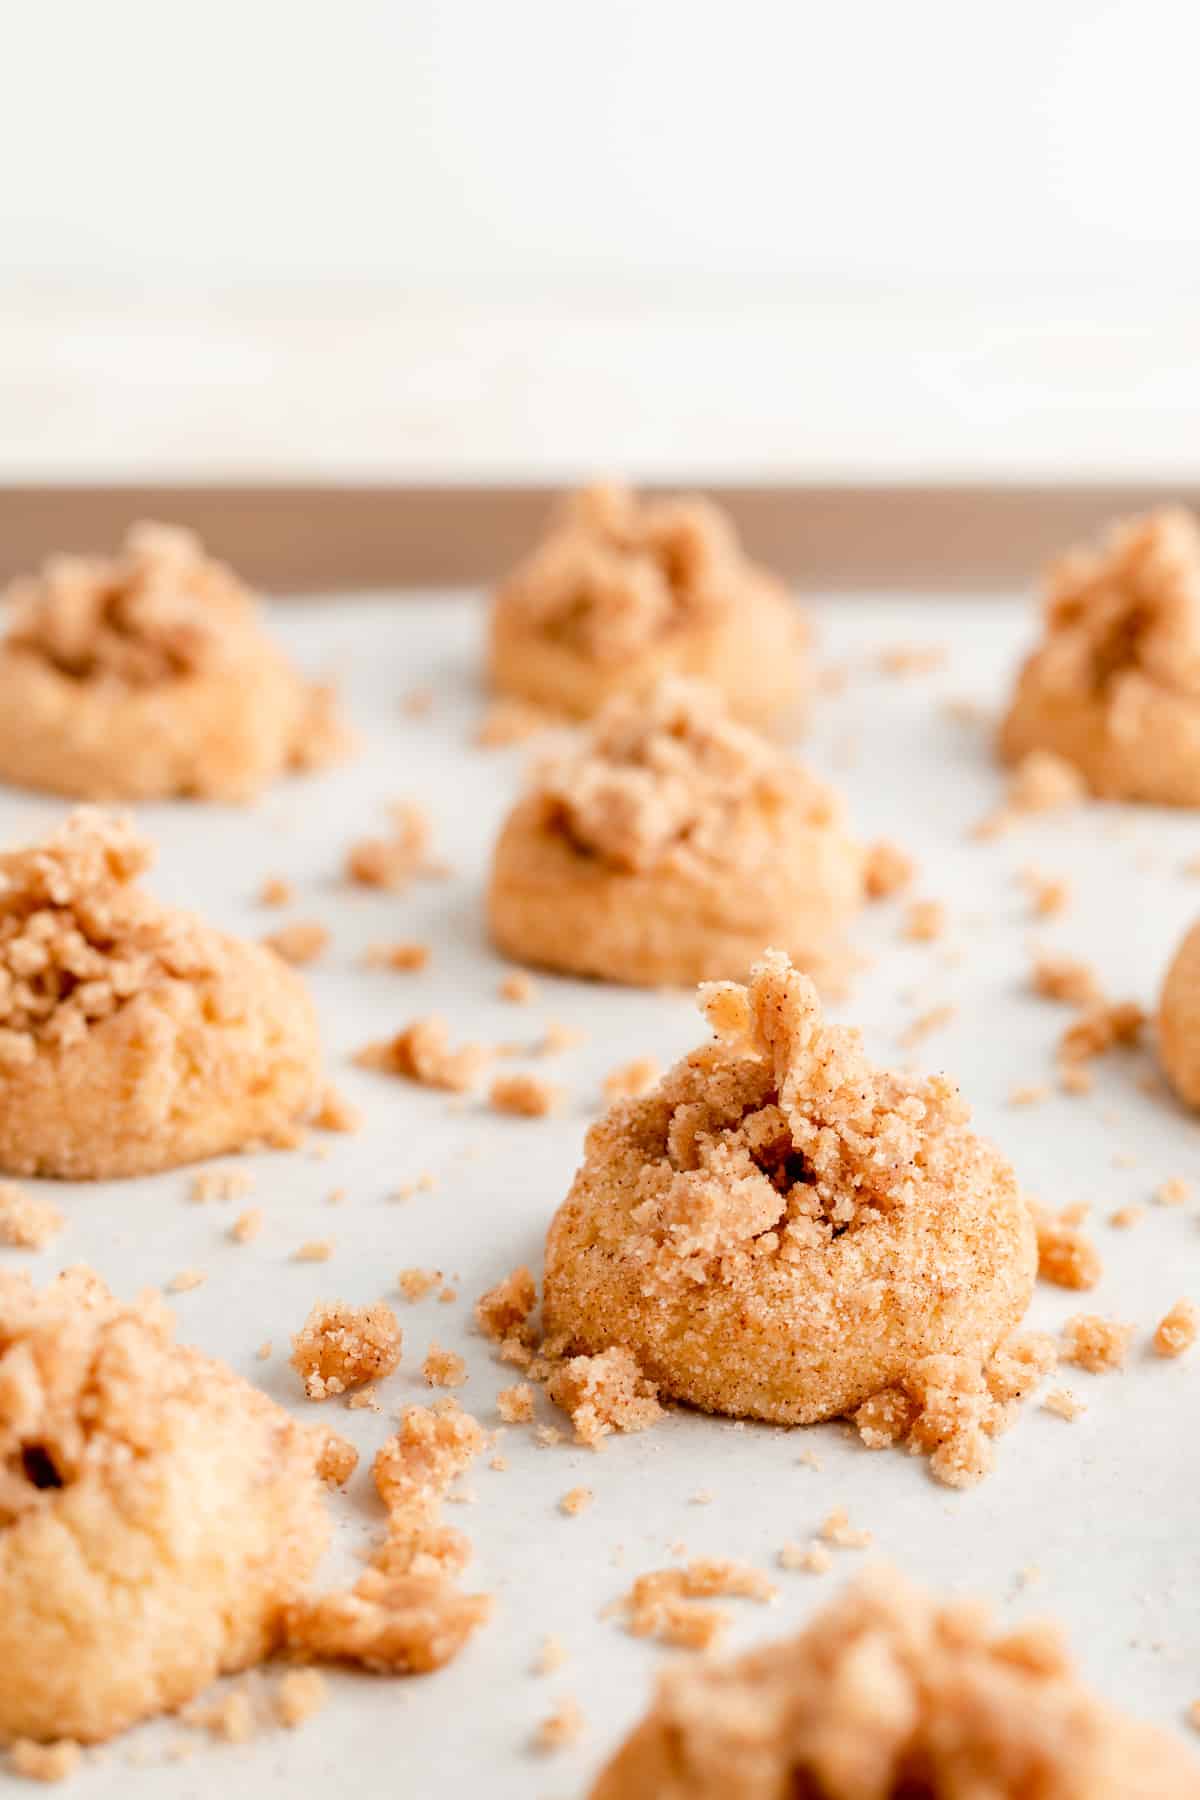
(1091, 1521)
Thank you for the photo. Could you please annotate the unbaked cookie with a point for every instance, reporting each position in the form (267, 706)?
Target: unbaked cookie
(1179, 1019)
(670, 844)
(889, 1693)
(780, 1230)
(157, 1514)
(621, 591)
(148, 675)
(133, 1036)
(1114, 686)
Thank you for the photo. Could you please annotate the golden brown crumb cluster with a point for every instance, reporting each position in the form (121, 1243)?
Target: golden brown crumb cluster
(421, 1052)
(340, 1347)
(1096, 1344)
(665, 781)
(889, 1693)
(524, 1096)
(394, 861)
(27, 1221)
(1065, 978)
(888, 870)
(300, 942)
(603, 1394)
(1066, 1255)
(1177, 1330)
(660, 1603)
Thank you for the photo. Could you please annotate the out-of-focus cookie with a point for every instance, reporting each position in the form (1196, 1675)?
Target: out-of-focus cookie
(887, 1693)
(1179, 1019)
(621, 591)
(133, 1036)
(148, 675)
(668, 844)
(1114, 686)
(779, 1230)
(157, 1513)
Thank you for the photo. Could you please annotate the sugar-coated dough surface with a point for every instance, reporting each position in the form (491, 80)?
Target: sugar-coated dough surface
(157, 1513)
(133, 1036)
(621, 591)
(1179, 1019)
(148, 675)
(780, 1230)
(887, 1694)
(669, 844)
(1114, 686)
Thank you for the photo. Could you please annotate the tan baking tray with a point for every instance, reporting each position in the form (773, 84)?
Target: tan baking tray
(318, 539)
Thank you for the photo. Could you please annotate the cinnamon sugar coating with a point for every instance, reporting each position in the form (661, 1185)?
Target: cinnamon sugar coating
(621, 591)
(148, 675)
(340, 1347)
(133, 1036)
(888, 1693)
(157, 1513)
(1114, 686)
(780, 1230)
(668, 844)
(1179, 1019)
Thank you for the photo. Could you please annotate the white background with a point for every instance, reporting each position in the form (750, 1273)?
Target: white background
(443, 237)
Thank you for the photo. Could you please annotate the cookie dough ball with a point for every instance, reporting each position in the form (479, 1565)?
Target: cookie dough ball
(1114, 686)
(622, 591)
(670, 844)
(780, 1230)
(148, 675)
(133, 1036)
(1179, 1019)
(157, 1514)
(887, 1692)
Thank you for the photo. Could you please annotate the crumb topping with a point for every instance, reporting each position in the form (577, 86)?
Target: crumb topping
(340, 1347)
(1066, 1255)
(666, 780)
(603, 1394)
(1177, 1330)
(888, 870)
(1096, 1344)
(300, 942)
(504, 1311)
(659, 1605)
(421, 1052)
(524, 1096)
(27, 1221)
(394, 861)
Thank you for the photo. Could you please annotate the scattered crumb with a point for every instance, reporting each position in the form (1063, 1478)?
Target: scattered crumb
(1173, 1192)
(913, 659)
(525, 1096)
(300, 1694)
(186, 1280)
(340, 1347)
(1041, 782)
(510, 722)
(276, 891)
(924, 921)
(393, 862)
(936, 1019)
(1049, 895)
(1125, 1217)
(551, 1655)
(1102, 1027)
(1096, 1344)
(336, 1114)
(657, 1603)
(417, 703)
(1031, 1094)
(338, 1460)
(838, 1531)
(443, 1368)
(1063, 1404)
(314, 1250)
(27, 1221)
(503, 1312)
(515, 1404)
(1065, 1256)
(405, 956)
(300, 942)
(887, 871)
(1065, 978)
(559, 1036)
(632, 1079)
(44, 1762)
(576, 1500)
(422, 1053)
(561, 1728)
(220, 1184)
(231, 1718)
(808, 1459)
(247, 1226)
(1194, 1714)
(604, 1393)
(1076, 1079)
(1177, 1330)
(447, 1296)
(414, 1284)
(518, 987)
(811, 1559)
(546, 1436)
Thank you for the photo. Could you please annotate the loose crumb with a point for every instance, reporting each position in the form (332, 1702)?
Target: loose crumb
(559, 1036)
(220, 1184)
(421, 1052)
(44, 1762)
(509, 722)
(336, 1114)
(515, 1404)
(414, 1284)
(1076, 1079)
(1065, 978)
(561, 1728)
(443, 1368)
(247, 1226)
(314, 1250)
(551, 1655)
(632, 1079)
(1049, 895)
(1125, 1217)
(604, 1393)
(264, 1350)
(1102, 1027)
(657, 1605)
(924, 921)
(503, 1312)
(405, 956)
(337, 1461)
(1096, 1344)
(888, 870)
(575, 1501)
(231, 1718)
(186, 1280)
(1173, 1192)
(27, 1221)
(1029, 1094)
(1041, 782)
(393, 862)
(913, 659)
(300, 1694)
(838, 1531)
(936, 1019)
(276, 891)
(1063, 1404)
(1066, 1256)
(300, 942)
(340, 1347)
(524, 1096)
(811, 1559)
(518, 987)
(1177, 1330)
